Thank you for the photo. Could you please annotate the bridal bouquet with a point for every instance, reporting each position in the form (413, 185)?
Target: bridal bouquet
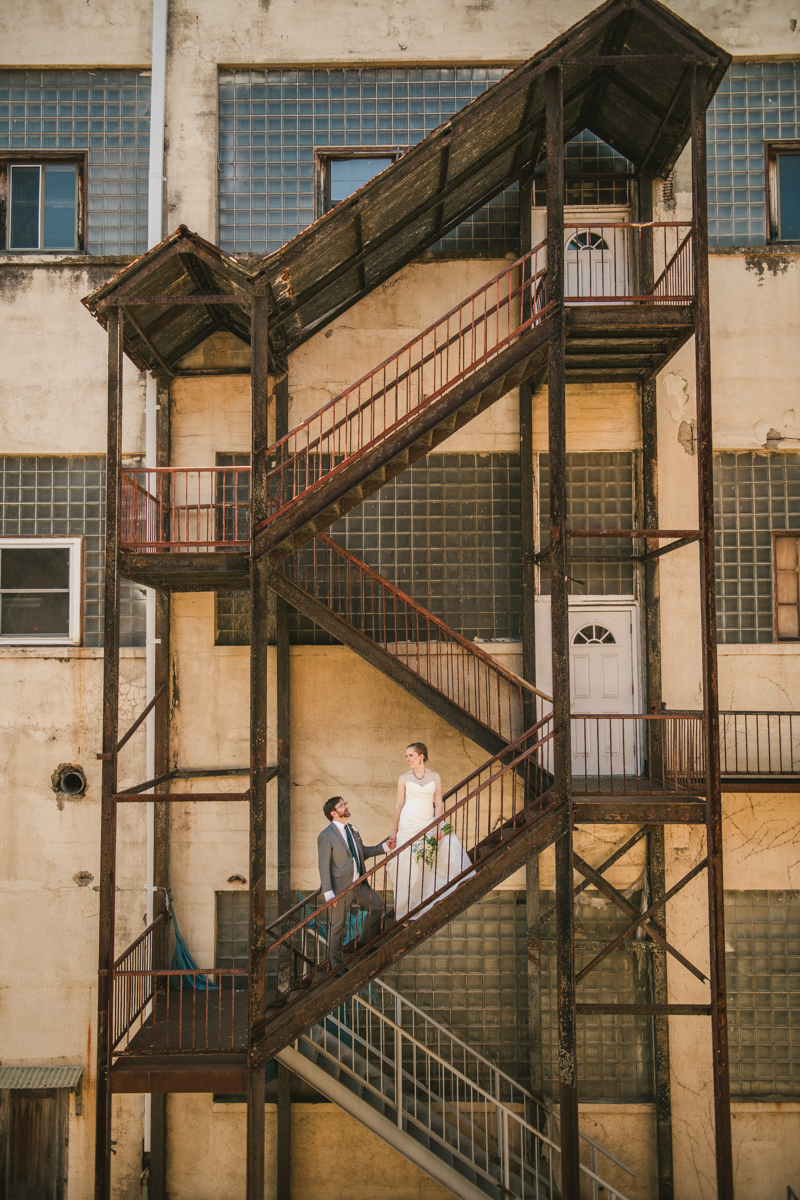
(426, 848)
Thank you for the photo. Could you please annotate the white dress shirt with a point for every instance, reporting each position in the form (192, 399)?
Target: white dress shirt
(341, 825)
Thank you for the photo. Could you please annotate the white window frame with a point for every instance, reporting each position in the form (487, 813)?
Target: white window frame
(75, 546)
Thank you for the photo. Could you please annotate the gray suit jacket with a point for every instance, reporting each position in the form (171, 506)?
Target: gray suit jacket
(336, 861)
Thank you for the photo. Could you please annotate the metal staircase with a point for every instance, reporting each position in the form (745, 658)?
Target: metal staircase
(438, 1102)
(438, 666)
(409, 404)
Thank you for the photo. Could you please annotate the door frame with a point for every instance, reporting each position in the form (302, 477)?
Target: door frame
(544, 661)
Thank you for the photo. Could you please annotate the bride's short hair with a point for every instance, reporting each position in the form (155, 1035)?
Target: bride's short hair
(420, 748)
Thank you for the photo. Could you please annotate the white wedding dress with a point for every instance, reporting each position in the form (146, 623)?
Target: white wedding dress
(413, 879)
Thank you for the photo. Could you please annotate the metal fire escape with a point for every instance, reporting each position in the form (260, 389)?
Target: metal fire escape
(179, 530)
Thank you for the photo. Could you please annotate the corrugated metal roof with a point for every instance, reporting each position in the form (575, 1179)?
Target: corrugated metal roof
(40, 1077)
(641, 108)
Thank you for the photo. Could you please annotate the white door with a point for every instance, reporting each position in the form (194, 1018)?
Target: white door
(596, 261)
(602, 683)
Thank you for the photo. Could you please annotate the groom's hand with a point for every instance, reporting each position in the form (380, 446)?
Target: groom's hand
(390, 842)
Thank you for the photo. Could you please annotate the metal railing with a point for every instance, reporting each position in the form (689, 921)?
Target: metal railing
(759, 743)
(470, 335)
(604, 262)
(482, 814)
(630, 753)
(177, 508)
(428, 1080)
(159, 1011)
(451, 663)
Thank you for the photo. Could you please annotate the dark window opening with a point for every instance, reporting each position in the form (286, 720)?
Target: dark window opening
(44, 205)
(341, 175)
(783, 186)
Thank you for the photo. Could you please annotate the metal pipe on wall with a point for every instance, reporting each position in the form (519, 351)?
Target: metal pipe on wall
(155, 218)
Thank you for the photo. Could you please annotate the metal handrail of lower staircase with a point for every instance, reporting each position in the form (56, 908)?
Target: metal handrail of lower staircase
(506, 755)
(509, 1153)
(466, 337)
(402, 627)
(475, 826)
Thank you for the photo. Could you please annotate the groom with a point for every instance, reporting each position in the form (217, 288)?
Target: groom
(342, 857)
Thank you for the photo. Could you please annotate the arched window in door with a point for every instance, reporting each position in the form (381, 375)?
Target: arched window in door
(594, 635)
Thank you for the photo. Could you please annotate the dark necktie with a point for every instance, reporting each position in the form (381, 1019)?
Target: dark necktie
(352, 844)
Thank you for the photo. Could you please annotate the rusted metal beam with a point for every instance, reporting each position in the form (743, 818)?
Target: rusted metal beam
(182, 797)
(259, 622)
(609, 862)
(151, 346)
(645, 1010)
(611, 893)
(689, 534)
(661, 1038)
(708, 609)
(559, 607)
(642, 919)
(139, 721)
(607, 811)
(108, 809)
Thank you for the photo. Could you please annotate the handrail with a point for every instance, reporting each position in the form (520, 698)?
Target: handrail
(603, 259)
(503, 818)
(466, 781)
(330, 438)
(391, 619)
(156, 921)
(367, 1039)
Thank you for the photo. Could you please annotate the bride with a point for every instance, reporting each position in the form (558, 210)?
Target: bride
(425, 865)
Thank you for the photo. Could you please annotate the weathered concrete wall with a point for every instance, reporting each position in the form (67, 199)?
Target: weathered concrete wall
(54, 365)
(50, 714)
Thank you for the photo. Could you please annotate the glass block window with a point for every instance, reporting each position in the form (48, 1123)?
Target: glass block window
(447, 532)
(271, 121)
(49, 497)
(106, 113)
(756, 102)
(762, 940)
(754, 495)
(615, 1053)
(472, 976)
(594, 173)
(600, 495)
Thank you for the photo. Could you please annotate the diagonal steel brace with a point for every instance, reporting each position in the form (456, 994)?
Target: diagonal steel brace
(617, 898)
(641, 920)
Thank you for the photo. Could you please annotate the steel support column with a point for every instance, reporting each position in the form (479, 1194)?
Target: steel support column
(562, 750)
(157, 1178)
(705, 482)
(651, 589)
(528, 549)
(284, 831)
(259, 623)
(108, 810)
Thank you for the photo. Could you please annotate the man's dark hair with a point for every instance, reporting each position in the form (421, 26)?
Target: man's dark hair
(330, 805)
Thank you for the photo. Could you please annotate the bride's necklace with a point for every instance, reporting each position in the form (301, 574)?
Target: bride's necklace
(419, 777)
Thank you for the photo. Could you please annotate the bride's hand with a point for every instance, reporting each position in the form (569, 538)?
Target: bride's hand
(391, 842)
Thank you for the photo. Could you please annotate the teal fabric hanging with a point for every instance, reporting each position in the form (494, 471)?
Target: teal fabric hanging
(183, 961)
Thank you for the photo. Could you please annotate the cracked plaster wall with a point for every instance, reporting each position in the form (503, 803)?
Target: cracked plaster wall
(54, 365)
(50, 712)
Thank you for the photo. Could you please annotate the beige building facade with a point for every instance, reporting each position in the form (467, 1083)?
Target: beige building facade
(266, 104)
